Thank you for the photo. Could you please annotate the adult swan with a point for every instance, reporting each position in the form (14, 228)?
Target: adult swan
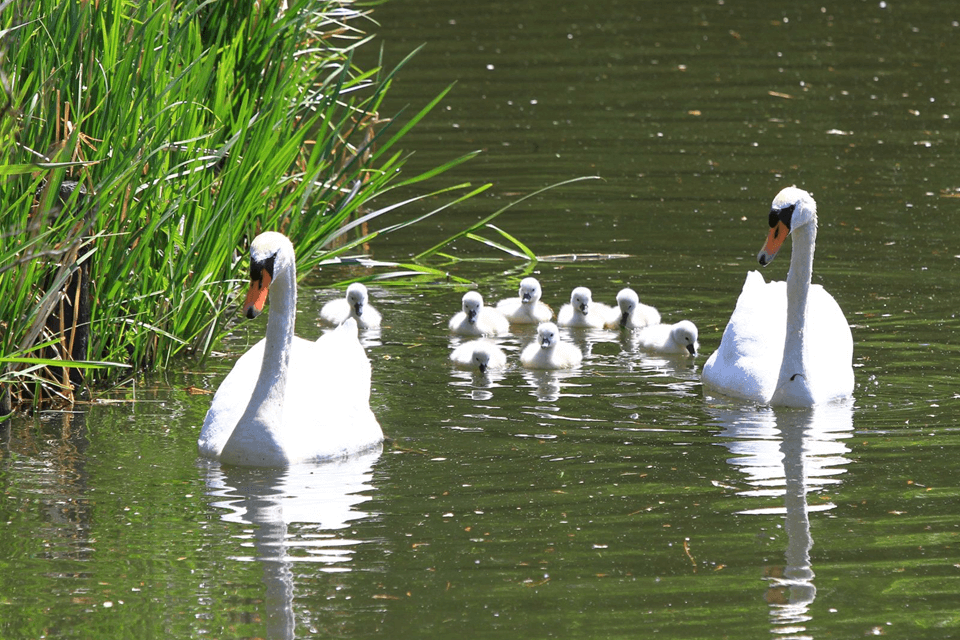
(289, 400)
(787, 344)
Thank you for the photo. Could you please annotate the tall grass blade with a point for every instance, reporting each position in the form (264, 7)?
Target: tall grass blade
(478, 225)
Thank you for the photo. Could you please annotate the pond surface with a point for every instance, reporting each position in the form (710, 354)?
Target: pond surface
(614, 500)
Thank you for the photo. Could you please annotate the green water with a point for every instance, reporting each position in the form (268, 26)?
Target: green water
(610, 501)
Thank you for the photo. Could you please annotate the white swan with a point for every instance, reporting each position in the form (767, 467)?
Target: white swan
(548, 352)
(478, 320)
(678, 339)
(582, 311)
(356, 305)
(289, 400)
(527, 308)
(786, 344)
(631, 313)
(479, 355)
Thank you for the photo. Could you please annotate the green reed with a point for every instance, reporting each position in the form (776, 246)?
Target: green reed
(143, 144)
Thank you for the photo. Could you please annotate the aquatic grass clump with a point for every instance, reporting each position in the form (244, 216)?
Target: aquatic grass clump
(144, 144)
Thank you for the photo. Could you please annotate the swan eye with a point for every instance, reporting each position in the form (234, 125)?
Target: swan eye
(257, 269)
(784, 215)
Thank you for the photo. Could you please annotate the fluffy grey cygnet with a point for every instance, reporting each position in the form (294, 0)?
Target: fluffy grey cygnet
(548, 352)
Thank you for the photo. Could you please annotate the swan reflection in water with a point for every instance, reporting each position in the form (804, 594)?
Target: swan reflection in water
(320, 501)
(789, 453)
(549, 385)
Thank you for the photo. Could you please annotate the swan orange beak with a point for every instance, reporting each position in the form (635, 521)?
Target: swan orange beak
(778, 233)
(257, 295)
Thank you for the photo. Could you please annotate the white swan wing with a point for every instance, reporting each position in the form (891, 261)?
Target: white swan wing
(340, 363)
(327, 412)
(747, 362)
(830, 342)
(230, 401)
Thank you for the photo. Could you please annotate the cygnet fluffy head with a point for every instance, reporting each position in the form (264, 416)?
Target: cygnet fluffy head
(580, 299)
(357, 297)
(627, 300)
(472, 303)
(529, 291)
(481, 358)
(479, 355)
(685, 333)
(547, 335)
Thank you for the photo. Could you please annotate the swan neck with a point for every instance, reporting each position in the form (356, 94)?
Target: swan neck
(258, 434)
(798, 288)
(266, 402)
(281, 319)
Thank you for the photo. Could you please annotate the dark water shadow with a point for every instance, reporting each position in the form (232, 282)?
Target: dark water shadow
(299, 515)
(788, 453)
